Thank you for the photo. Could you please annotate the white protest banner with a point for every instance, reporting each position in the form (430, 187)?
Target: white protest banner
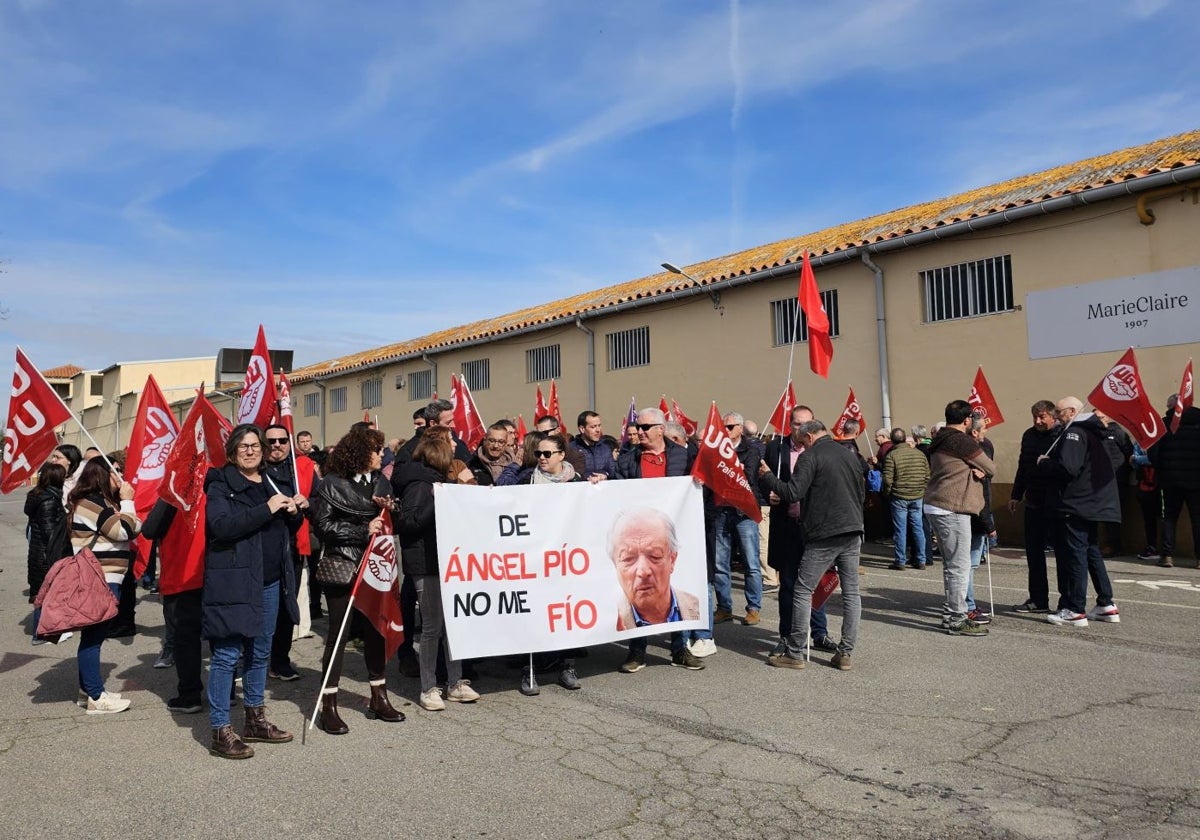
(554, 566)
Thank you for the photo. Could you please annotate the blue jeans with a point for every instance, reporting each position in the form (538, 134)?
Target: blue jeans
(820, 556)
(732, 521)
(225, 655)
(88, 657)
(696, 635)
(906, 514)
(1078, 557)
(977, 541)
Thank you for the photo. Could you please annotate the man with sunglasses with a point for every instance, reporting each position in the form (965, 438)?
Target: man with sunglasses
(278, 461)
(655, 457)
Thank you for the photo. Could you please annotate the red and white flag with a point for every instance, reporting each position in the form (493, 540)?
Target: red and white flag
(820, 347)
(718, 468)
(377, 589)
(467, 422)
(1184, 401)
(662, 406)
(689, 425)
(521, 430)
(850, 412)
(200, 445)
(982, 402)
(257, 404)
(553, 408)
(154, 433)
(34, 412)
(367, 415)
(541, 409)
(781, 417)
(1122, 397)
(286, 418)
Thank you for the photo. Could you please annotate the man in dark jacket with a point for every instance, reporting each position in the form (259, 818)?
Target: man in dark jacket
(599, 463)
(828, 480)
(1083, 493)
(731, 522)
(785, 544)
(1029, 486)
(1176, 460)
(437, 413)
(491, 457)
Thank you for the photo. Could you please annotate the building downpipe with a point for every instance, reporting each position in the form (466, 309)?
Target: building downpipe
(591, 363)
(885, 394)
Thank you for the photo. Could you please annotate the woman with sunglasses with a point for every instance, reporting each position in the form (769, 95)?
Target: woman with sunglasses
(551, 467)
(248, 573)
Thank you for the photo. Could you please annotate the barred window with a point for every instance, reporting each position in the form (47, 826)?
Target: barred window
(783, 318)
(420, 385)
(372, 393)
(478, 374)
(542, 363)
(337, 399)
(312, 405)
(968, 289)
(628, 348)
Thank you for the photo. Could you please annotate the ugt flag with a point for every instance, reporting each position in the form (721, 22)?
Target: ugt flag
(154, 433)
(1122, 397)
(467, 422)
(34, 411)
(982, 402)
(781, 417)
(718, 468)
(257, 404)
(852, 411)
(377, 590)
(1184, 400)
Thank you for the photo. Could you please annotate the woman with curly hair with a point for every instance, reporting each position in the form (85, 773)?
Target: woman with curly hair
(433, 462)
(346, 515)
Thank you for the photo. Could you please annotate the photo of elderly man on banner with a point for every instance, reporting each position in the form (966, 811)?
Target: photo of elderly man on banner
(535, 568)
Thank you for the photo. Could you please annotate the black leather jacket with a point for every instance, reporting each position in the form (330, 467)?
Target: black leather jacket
(342, 510)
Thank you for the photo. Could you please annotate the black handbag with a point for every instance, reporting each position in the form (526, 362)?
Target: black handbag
(335, 569)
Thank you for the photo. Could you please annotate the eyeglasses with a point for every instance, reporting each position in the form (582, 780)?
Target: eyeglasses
(277, 441)
(547, 453)
(645, 427)
(248, 447)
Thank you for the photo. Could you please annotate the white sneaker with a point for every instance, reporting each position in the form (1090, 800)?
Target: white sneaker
(1065, 616)
(1110, 614)
(461, 692)
(702, 647)
(431, 700)
(82, 700)
(107, 704)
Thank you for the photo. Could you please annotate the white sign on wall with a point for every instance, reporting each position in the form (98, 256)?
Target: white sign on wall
(1146, 310)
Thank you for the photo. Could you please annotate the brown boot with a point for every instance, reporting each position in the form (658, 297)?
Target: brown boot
(258, 728)
(329, 720)
(380, 706)
(227, 744)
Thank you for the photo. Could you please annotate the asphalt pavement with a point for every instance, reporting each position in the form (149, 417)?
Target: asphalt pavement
(1034, 731)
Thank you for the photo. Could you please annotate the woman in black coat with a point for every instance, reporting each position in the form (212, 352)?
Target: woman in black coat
(345, 515)
(44, 507)
(432, 463)
(247, 578)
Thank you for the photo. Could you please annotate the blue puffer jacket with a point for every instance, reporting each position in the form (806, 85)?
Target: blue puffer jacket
(237, 522)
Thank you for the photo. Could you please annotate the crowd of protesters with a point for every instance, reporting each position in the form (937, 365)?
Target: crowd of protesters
(275, 519)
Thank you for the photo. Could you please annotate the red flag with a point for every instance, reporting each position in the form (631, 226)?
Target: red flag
(541, 410)
(982, 402)
(285, 405)
(34, 411)
(154, 432)
(689, 425)
(521, 430)
(630, 419)
(717, 467)
(1185, 396)
(850, 412)
(662, 406)
(466, 416)
(200, 445)
(552, 408)
(820, 347)
(781, 417)
(1122, 397)
(379, 598)
(367, 415)
(257, 404)
(829, 582)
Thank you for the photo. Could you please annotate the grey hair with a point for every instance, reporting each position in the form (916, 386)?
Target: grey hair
(919, 431)
(637, 514)
(938, 426)
(672, 430)
(655, 413)
(435, 409)
(736, 418)
(811, 427)
(978, 423)
(882, 433)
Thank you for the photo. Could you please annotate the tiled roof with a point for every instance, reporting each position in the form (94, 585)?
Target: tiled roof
(62, 372)
(1125, 165)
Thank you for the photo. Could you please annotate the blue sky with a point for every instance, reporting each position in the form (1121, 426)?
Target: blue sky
(174, 173)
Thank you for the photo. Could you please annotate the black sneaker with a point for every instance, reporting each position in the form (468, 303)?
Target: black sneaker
(826, 644)
(529, 686)
(1030, 607)
(980, 616)
(568, 679)
(284, 672)
(184, 705)
(634, 663)
(685, 659)
(123, 630)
